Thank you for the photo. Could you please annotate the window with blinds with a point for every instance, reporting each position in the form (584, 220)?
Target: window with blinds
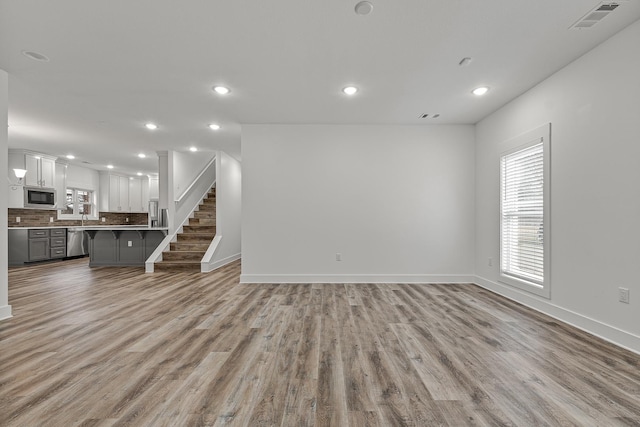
(524, 214)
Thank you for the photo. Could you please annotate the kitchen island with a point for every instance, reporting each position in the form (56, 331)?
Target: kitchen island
(127, 245)
(107, 245)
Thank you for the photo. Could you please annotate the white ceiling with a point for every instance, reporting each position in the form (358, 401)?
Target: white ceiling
(115, 65)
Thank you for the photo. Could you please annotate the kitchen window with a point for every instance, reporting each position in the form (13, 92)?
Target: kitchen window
(524, 212)
(78, 203)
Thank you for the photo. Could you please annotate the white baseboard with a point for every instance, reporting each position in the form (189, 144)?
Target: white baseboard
(608, 333)
(206, 268)
(5, 312)
(356, 278)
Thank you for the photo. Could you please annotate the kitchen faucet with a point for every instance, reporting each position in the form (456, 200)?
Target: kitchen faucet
(84, 216)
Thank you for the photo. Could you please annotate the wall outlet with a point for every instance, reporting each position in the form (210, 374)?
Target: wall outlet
(129, 243)
(50, 219)
(104, 219)
(490, 262)
(623, 295)
(17, 219)
(126, 220)
(338, 256)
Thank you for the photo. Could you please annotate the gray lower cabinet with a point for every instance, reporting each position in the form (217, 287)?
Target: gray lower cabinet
(122, 247)
(38, 249)
(31, 245)
(58, 243)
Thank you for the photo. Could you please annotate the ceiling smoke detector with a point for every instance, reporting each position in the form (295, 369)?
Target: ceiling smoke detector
(595, 15)
(36, 56)
(363, 8)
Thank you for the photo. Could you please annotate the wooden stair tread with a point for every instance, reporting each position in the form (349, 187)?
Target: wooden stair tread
(189, 246)
(193, 237)
(172, 262)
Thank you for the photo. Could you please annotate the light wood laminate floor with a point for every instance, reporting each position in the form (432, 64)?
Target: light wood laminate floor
(116, 346)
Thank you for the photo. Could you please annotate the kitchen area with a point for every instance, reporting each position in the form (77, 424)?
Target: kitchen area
(59, 210)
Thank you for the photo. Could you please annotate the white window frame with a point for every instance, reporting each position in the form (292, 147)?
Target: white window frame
(76, 212)
(536, 136)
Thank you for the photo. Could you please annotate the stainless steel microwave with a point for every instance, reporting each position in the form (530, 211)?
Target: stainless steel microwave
(39, 198)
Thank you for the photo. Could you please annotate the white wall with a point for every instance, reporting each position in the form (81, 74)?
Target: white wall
(187, 167)
(228, 212)
(594, 108)
(396, 201)
(5, 308)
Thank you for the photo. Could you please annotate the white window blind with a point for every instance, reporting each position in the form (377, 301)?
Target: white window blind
(522, 214)
(78, 203)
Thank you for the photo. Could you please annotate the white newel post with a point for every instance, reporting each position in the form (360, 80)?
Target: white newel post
(166, 194)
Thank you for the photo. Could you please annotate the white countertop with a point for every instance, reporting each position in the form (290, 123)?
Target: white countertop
(35, 228)
(120, 227)
(97, 227)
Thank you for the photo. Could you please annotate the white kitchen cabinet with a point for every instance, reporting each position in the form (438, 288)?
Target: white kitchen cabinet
(47, 172)
(123, 194)
(114, 193)
(145, 194)
(154, 188)
(135, 195)
(139, 194)
(32, 165)
(41, 171)
(124, 206)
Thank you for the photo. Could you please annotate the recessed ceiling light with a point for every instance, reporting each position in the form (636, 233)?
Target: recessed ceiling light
(70, 156)
(221, 90)
(214, 126)
(142, 155)
(193, 149)
(479, 91)
(350, 90)
(35, 56)
(139, 173)
(151, 126)
(363, 8)
(109, 166)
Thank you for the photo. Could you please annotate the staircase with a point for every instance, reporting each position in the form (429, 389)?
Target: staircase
(186, 253)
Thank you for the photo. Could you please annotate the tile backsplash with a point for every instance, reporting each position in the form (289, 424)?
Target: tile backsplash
(41, 218)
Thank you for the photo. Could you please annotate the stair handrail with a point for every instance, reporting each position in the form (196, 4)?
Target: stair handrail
(196, 179)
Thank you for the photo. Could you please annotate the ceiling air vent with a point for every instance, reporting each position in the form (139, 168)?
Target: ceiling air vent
(426, 116)
(595, 15)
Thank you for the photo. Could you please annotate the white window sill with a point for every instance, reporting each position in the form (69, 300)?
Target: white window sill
(534, 288)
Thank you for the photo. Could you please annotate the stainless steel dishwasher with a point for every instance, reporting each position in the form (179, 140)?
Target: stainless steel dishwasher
(77, 242)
